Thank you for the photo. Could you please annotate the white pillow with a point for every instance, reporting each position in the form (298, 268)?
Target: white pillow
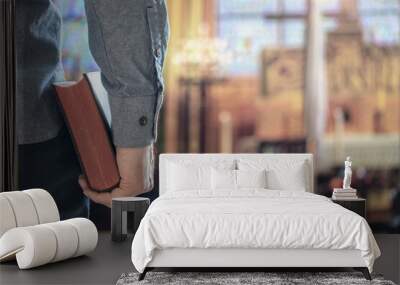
(223, 179)
(251, 178)
(278, 180)
(282, 174)
(181, 177)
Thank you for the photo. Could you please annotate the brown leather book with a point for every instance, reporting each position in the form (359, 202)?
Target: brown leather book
(90, 133)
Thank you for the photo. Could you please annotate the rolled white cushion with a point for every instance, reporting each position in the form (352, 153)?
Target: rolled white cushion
(7, 218)
(33, 246)
(23, 208)
(45, 205)
(67, 240)
(40, 244)
(26, 208)
(87, 235)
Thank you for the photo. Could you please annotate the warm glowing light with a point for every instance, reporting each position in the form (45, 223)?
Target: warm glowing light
(203, 56)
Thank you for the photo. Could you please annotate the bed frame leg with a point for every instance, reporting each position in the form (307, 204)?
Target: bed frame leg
(364, 271)
(143, 274)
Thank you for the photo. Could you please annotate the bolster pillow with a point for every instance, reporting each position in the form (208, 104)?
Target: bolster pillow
(26, 208)
(40, 244)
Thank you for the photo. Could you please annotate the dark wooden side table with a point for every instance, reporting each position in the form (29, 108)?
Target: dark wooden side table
(126, 214)
(358, 205)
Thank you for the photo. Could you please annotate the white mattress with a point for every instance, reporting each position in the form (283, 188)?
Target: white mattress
(252, 219)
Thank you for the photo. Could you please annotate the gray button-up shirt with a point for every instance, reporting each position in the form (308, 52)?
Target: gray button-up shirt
(128, 40)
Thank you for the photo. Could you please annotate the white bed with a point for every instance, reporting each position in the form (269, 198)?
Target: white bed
(248, 226)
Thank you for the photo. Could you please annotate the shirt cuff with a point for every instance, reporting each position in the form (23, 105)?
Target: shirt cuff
(132, 120)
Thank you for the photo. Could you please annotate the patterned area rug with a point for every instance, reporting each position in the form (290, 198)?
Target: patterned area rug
(273, 278)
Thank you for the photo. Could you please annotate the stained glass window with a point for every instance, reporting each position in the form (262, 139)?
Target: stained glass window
(76, 56)
(250, 26)
(380, 21)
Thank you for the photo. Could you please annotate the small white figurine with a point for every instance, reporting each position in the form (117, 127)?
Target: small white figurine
(347, 173)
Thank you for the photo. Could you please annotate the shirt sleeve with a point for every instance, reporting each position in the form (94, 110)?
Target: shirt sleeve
(120, 42)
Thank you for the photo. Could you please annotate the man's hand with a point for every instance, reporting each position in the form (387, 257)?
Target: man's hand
(136, 168)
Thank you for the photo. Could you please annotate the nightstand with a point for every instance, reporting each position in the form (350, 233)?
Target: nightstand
(358, 205)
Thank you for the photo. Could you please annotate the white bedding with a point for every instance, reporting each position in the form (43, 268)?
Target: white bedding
(251, 218)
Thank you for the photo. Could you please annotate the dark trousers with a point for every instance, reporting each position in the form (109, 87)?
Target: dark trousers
(54, 166)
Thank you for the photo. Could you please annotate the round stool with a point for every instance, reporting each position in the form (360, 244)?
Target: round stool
(126, 214)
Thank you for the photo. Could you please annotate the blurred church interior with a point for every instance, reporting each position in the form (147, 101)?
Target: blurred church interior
(282, 76)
